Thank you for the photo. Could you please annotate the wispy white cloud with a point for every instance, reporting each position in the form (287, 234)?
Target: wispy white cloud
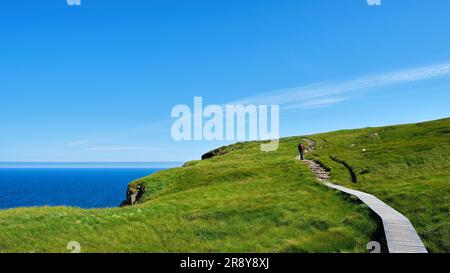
(316, 95)
(122, 148)
(327, 93)
(316, 103)
(77, 143)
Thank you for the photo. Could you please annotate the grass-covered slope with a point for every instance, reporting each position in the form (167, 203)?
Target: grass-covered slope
(242, 201)
(406, 166)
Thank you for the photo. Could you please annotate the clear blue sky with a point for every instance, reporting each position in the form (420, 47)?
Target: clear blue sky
(98, 82)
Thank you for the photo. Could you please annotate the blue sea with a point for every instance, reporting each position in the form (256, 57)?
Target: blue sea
(84, 185)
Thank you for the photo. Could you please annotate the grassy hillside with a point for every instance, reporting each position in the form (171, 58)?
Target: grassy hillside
(406, 166)
(243, 200)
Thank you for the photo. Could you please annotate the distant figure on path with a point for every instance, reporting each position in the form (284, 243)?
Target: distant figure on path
(301, 150)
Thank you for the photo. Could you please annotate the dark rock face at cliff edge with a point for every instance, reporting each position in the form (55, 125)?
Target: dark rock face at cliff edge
(133, 195)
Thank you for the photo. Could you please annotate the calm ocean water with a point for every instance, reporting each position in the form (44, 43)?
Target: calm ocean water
(79, 186)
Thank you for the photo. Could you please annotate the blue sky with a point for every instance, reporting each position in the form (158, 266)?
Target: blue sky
(98, 82)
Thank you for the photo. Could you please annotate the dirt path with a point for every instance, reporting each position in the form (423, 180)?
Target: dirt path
(401, 237)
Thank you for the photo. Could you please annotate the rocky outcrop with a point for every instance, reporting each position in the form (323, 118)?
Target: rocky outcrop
(133, 194)
(213, 153)
(223, 150)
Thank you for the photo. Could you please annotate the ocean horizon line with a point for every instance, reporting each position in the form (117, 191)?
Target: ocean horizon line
(62, 165)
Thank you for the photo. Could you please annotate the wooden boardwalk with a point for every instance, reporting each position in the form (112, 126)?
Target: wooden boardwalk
(401, 237)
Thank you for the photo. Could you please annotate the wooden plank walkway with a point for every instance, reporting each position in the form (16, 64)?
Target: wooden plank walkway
(401, 237)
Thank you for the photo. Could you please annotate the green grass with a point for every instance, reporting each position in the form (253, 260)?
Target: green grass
(406, 166)
(245, 200)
